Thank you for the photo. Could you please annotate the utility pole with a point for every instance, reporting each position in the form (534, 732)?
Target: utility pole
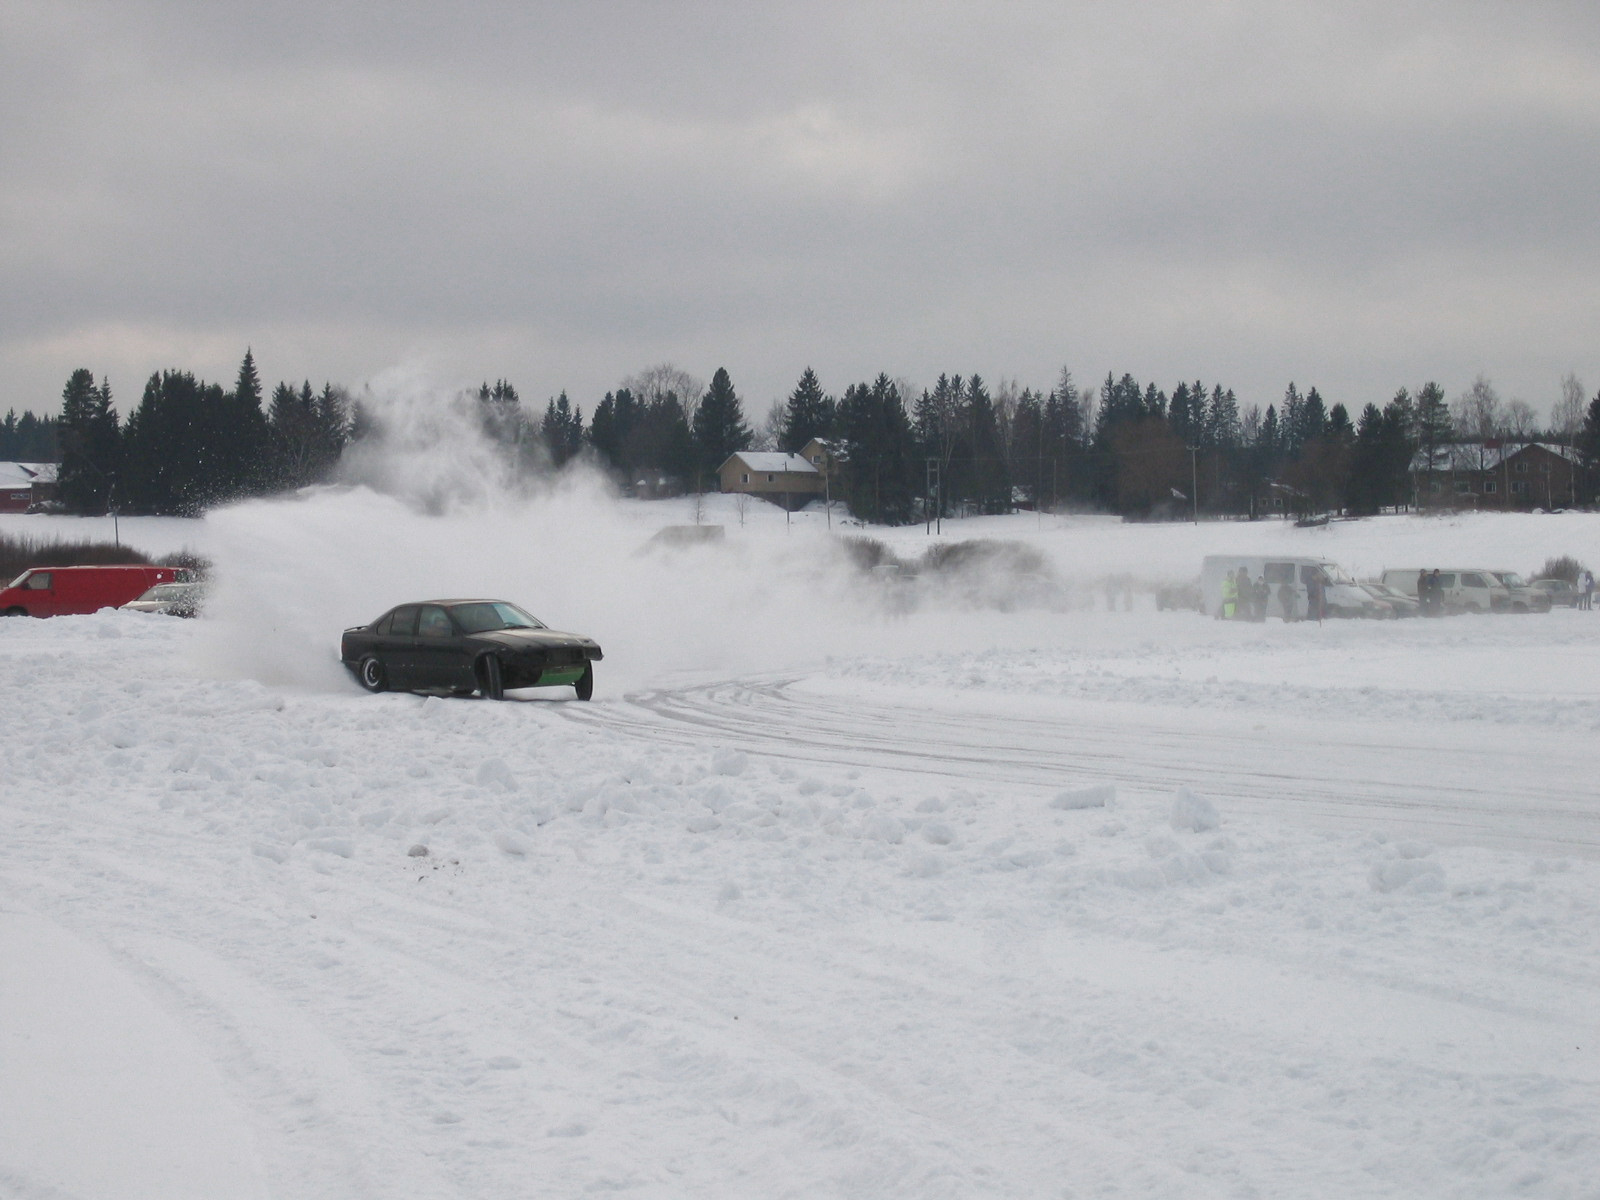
(1194, 487)
(827, 487)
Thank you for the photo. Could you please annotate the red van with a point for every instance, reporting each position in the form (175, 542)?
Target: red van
(65, 591)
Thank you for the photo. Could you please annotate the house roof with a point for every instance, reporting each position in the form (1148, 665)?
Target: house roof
(20, 474)
(772, 462)
(1482, 456)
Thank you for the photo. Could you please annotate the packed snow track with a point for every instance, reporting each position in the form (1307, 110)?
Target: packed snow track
(1471, 786)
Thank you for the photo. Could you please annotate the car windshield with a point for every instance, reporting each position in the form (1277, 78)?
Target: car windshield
(1335, 573)
(168, 591)
(489, 615)
(1510, 578)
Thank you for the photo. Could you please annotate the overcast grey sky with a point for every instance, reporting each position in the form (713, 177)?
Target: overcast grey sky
(1353, 196)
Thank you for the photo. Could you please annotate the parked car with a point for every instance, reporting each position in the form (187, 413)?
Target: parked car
(1398, 603)
(171, 599)
(466, 646)
(1561, 591)
(70, 591)
(1521, 598)
(1460, 590)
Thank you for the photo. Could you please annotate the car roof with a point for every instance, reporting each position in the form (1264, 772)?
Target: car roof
(448, 603)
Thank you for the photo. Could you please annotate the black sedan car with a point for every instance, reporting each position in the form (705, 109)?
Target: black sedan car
(466, 646)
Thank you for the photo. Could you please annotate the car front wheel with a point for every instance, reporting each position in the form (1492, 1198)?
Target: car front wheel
(491, 679)
(585, 685)
(372, 675)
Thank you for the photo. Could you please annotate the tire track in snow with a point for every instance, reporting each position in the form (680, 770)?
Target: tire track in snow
(1504, 787)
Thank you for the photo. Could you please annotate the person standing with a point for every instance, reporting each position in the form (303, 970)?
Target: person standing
(1586, 586)
(1424, 592)
(1230, 595)
(1260, 593)
(1436, 592)
(1286, 599)
(1315, 595)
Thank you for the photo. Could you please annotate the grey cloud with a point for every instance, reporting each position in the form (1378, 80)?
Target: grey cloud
(579, 190)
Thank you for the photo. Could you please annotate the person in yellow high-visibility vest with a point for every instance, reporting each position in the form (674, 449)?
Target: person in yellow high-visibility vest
(1230, 596)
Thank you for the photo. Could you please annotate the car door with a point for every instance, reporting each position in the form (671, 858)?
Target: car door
(1448, 593)
(1286, 604)
(41, 590)
(437, 653)
(397, 643)
(1475, 593)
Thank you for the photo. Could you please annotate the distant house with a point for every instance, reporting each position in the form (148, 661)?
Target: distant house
(824, 456)
(1498, 475)
(788, 480)
(24, 485)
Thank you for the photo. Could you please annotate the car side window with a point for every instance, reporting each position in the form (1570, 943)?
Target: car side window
(1471, 580)
(1447, 581)
(404, 621)
(434, 622)
(1279, 572)
(39, 581)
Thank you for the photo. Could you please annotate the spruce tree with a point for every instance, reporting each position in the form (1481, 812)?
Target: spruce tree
(719, 425)
(808, 414)
(90, 442)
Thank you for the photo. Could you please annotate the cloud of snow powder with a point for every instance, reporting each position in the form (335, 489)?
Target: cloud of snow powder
(430, 509)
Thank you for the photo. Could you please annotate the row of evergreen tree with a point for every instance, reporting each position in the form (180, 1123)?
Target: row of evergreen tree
(189, 444)
(960, 445)
(28, 438)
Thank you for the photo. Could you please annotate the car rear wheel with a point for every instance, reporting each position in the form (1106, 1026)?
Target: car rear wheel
(17, 610)
(585, 685)
(372, 675)
(491, 680)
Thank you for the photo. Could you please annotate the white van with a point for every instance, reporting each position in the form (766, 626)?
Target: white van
(1341, 598)
(1461, 589)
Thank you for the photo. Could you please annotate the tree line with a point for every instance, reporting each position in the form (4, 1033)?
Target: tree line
(897, 454)
(189, 444)
(28, 438)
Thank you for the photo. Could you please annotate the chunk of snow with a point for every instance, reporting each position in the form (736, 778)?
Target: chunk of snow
(511, 843)
(493, 772)
(730, 762)
(1100, 796)
(1414, 874)
(1192, 812)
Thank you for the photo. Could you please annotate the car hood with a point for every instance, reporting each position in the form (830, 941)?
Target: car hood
(533, 639)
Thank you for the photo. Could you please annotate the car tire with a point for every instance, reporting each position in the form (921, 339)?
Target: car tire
(585, 685)
(372, 675)
(17, 610)
(491, 679)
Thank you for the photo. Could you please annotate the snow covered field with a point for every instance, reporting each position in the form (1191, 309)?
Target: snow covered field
(820, 896)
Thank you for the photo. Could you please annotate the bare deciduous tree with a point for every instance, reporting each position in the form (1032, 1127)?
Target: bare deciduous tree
(1479, 415)
(769, 433)
(1520, 420)
(655, 382)
(1566, 418)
